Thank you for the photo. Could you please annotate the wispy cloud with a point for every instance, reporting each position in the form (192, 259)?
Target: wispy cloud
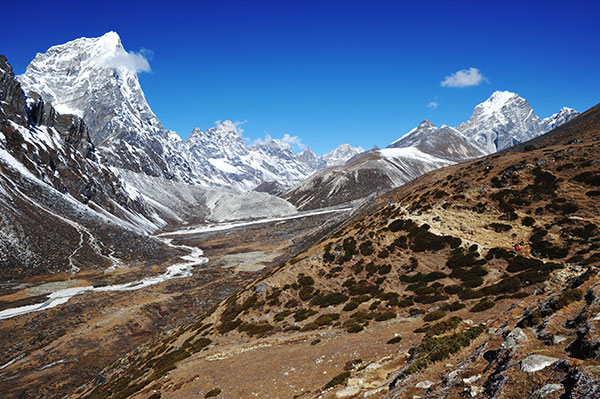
(132, 61)
(464, 78)
(293, 141)
(433, 104)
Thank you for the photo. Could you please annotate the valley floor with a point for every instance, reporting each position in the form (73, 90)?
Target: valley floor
(49, 347)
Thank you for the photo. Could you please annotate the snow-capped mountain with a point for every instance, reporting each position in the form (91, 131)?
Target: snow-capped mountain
(506, 119)
(96, 79)
(341, 154)
(220, 158)
(445, 142)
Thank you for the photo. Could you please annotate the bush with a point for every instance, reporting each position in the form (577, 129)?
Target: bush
(213, 393)
(305, 280)
(435, 315)
(384, 253)
(394, 340)
(454, 306)
(527, 221)
(337, 380)
(500, 227)
(483, 306)
(306, 292)
(385, 316)
(350, 306)
(303, 314)
(330, 299)
(453, 289)
(366, 248)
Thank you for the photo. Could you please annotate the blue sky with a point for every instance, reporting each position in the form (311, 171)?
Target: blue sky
(362, 72)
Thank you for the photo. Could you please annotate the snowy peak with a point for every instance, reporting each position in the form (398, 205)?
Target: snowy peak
(308, 157)
(341, 154)
(506, 119)
(564, 115)
(497, 101)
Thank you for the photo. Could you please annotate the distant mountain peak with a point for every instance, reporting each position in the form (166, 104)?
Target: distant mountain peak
(341, 154)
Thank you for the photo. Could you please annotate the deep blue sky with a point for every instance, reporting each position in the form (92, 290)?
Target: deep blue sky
(327, 71)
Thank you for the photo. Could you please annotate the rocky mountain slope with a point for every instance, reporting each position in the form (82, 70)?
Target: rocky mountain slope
(507, 119)
(504, 120)
(65, 210)
(96, 79)
(421, 294)
(62, 209)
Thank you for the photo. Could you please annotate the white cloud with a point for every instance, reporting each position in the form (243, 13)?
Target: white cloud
(433, 104)
(464, 78)
(134, 62)
(293, 141)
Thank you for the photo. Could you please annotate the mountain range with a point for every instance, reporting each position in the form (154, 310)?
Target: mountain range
(94, 79)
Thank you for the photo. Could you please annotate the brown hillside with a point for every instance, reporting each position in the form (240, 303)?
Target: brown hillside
(422, 297)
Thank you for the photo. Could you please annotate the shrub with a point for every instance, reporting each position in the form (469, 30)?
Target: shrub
(435, 315)
(385, 316)
(366, 248)
(500, 227)
(212, 393)
(350, 306)
(337, 380)
(589, 178)
(499, 253)
(303, 314)
(330, 299)
(305, 280)
(527, 221)
(384, 253)
(443, 326)
(482, 306)
(394, 340)
(453, 289)
(306, 292)
(454, 306)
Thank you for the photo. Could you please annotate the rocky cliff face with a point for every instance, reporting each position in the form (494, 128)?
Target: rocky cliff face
(62, 209)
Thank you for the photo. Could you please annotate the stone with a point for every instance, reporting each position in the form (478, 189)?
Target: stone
(515, 338)
(424, 384)
(557, 339)
(546, 390)
(535, 363)
(471, 379)
(262, 287)
(347, 392)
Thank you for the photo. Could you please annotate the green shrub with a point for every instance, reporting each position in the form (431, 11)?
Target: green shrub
(385, 316)
(394, 340)
(435, 315)
(384, 253)
(329, 299)
(337, 380)
(366, 248)
(282, 315)
(527, 221)
(305, 280)
(350, 306)
(212, 393)
(500, 227)
(306, 292)
(303, 314)
(483, 306)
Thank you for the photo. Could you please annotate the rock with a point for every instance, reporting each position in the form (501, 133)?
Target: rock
(347, 392)
(474, 390)
(355, 381)
(515, 338)
(262, 287)
(557, 339)
(472, 379)
(535, 363)
(546, 390)
(424, 384)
